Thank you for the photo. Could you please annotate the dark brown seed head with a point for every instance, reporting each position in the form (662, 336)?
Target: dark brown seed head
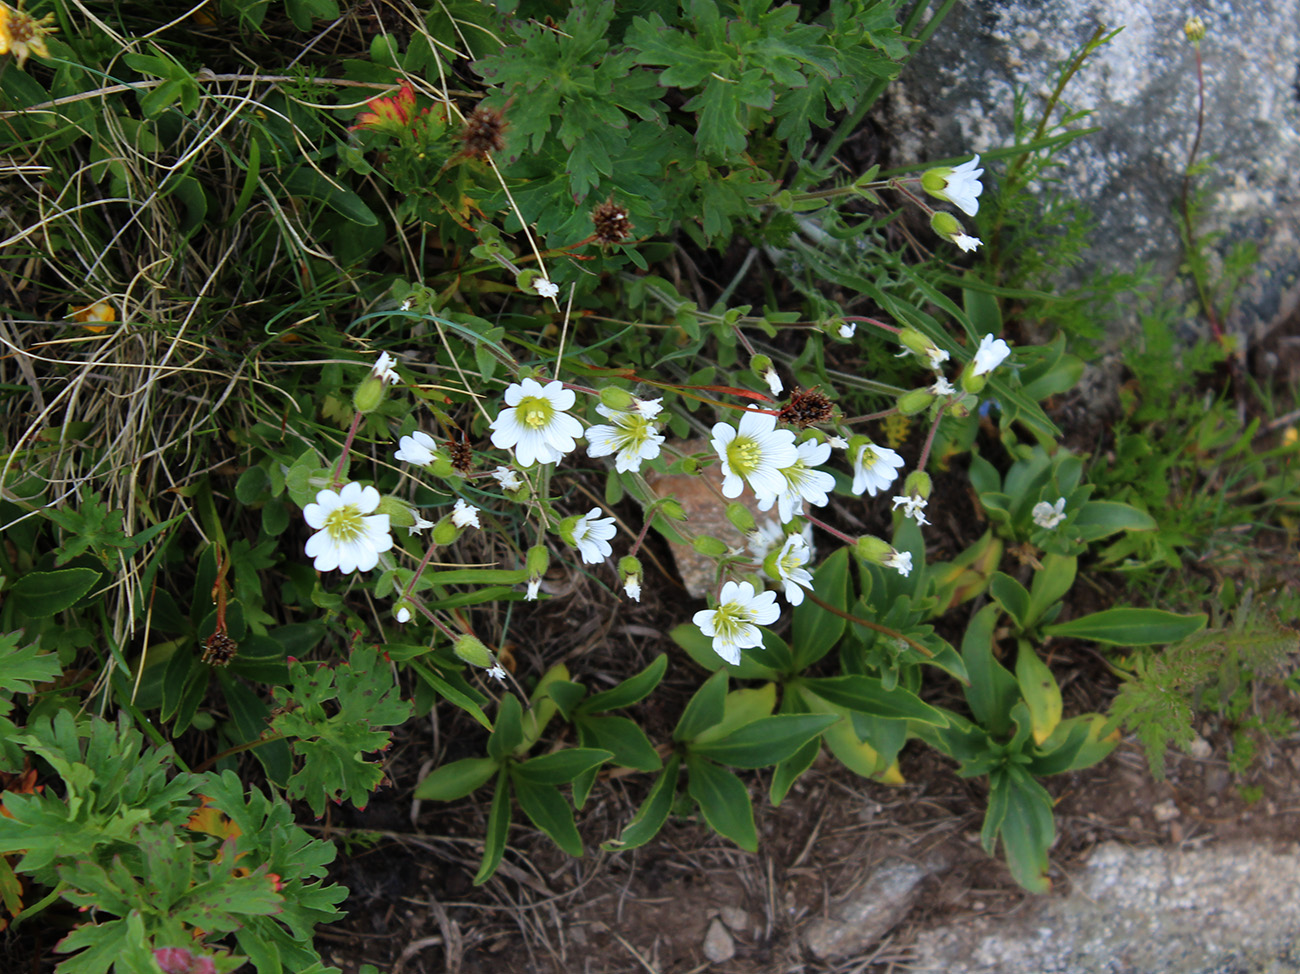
(484, 132)
(462, 456)
(219, 649)
(806, 409)
(611, 223)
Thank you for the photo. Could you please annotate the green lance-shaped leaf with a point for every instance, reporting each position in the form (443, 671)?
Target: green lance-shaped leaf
(41, 594)
(561, 767)
(1040, 690)
(494, 841)
(630, 691)
(547, 809)
(1013, 598)
(1129, 627)
(456, 780)
(704, 709)
(652, 814)
(766, 741)
(723, 800)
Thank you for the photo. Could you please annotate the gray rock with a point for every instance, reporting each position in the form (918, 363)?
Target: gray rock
(869, 912)
(718, 945)
(736, 919)
(956, 97)
(1223, 910)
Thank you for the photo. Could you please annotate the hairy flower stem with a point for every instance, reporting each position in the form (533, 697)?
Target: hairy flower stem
(832, 531)
(929, 439)
(1189, 231)
(347, 448)
(892, 329)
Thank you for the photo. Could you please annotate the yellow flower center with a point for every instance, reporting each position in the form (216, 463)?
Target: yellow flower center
(729, 618)
(345, 524)
(535, 412)
(743, 455)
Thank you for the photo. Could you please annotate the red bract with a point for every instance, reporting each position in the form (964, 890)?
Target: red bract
(389, 112)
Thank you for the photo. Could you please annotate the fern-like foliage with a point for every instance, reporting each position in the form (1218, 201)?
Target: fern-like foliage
(1158, 702)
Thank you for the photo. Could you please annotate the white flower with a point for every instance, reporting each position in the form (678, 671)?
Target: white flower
(534, 585)
(913, 506)
(632, 586)
(383, 369)
(418, 448)
(1049, 515)
(934, 355)
(942, 387)
(848, 328)
(536, 423)
(403, 614)
(769, 535)
(591, 536)
(788, 568)
(348, 537)
(733, 625)
(649, 408)
(874, 468)
(839, 442)
(420, 524)
(498, 672)
(464, 515)
(632, 436)
(507, 478)
(764, 538)
(990, 354)
(900, 561)
(773, 380)
(754, 454)
(961, 186)
(406, 305)
(545, 288)
(966, 242)
(802, 482)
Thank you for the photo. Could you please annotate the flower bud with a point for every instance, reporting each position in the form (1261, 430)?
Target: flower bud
(1194, 29)
(915, 401)
(689, 465)
(472, 650)
(709, 546)
(369, 394)
(616, 397)
(537, 560)
(673, 510)
(400, 514)
(445, 532)
(946, 226)
(962, 407)
(402, 611)
(873, 549)
(935, 181)
(741, 517)
(914, 341)
(970, 382)
(917, 484)
(566, 529)
(629, 572)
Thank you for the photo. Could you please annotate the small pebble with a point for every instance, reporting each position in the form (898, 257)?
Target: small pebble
(1166, 811)
(736, 919)
(718, 945)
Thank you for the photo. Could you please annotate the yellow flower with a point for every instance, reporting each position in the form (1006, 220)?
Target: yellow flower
(22, 34)
(100, 311)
